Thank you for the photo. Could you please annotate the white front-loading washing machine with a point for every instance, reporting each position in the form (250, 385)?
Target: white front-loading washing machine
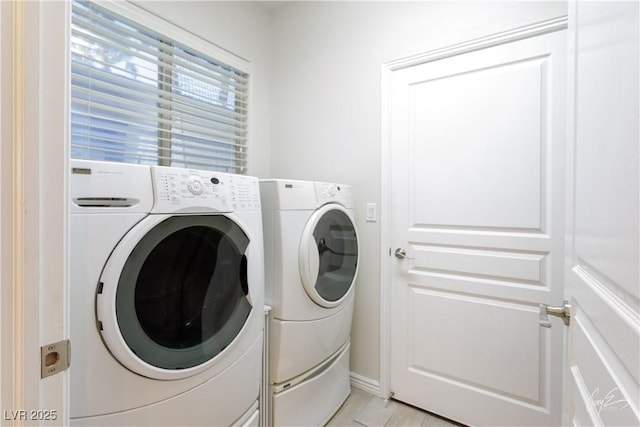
(167, 296)
(311, 262)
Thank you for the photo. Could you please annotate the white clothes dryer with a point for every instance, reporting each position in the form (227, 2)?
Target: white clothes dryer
(311, 262)
(167, 296)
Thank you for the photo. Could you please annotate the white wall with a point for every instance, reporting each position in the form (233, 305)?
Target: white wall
(242, 28)
(326, 104)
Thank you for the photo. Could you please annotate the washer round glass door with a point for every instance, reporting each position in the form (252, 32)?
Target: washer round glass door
(328, 255)
(175, 294)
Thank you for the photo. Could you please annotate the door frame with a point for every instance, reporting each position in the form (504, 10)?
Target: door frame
(33, 227)
(540, 28)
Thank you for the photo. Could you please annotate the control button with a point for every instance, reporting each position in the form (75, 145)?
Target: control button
(215, 181)
(195, 185)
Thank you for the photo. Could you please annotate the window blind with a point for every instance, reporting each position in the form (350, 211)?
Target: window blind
(138, 96)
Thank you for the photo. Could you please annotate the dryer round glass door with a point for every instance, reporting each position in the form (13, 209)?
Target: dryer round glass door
(175, 293)
(328, 255)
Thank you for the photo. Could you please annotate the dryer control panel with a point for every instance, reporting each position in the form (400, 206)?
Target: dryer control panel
(334, 193)
(195, 190)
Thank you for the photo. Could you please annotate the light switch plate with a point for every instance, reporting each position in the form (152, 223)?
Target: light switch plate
(371, 212)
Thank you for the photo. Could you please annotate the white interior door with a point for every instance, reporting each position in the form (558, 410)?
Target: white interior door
(603, 277)
(477, 182)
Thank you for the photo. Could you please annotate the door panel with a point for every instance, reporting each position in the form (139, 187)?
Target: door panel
(489, 263)
(452, 318)
(461, 116)
(603, 257)
(478, 142)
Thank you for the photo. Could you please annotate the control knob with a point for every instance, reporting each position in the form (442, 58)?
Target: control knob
(194, 185)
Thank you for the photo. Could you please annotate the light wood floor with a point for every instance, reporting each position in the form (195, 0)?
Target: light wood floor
(364, 409)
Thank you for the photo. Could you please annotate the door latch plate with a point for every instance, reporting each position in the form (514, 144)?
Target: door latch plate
(54, 358)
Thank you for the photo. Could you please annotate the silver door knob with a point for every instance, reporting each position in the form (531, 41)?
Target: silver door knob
(400, 253)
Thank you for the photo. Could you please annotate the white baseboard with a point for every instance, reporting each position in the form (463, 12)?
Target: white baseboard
(366, 384)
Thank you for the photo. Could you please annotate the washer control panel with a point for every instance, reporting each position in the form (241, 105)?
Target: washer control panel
(198, 190)
(336, 193)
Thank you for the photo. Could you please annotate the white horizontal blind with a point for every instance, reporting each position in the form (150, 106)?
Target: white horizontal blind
(140, 97)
